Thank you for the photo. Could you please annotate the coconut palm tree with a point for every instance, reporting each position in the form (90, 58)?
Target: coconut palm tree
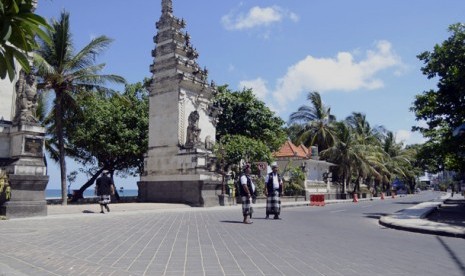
(66, 73)
(372, 156)
(316, 121)
(343, 152)
(399, 161)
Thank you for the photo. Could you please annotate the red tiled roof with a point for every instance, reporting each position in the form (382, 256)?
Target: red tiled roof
(288, 149)
(306, 151)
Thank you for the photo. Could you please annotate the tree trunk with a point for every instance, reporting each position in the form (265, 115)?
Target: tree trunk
(61, 145)
(116, 190)
(344, 187)
(78, 194)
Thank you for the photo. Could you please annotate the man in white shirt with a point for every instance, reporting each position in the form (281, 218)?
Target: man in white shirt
(273, 191)
(245, 191)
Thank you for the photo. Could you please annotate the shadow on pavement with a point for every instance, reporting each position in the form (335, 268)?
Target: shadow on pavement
(375, 215)
(451, 212)
(409, 203)
(452, 254)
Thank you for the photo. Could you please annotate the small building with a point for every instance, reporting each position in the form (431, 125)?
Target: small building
(291, 156)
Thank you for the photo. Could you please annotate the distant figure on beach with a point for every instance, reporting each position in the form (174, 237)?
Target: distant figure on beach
(104, 188)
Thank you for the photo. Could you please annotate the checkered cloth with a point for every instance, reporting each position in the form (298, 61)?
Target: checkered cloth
(246, 206)
(104, 199)
(273, 204)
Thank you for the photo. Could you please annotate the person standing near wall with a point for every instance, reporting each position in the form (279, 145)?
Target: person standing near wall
(273, 191)
(104, 188)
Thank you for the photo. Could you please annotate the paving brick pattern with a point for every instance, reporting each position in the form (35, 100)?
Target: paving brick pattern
(189, 242)
(199, 242)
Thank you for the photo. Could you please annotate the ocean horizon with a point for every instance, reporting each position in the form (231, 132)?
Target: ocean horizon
(56, 193)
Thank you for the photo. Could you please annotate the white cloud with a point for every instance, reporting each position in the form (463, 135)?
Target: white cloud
(257, 85)
(256, 17)
(342, 73)
(293, 16)
(408, 137)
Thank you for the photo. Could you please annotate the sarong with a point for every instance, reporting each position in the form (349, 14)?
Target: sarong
(246, 206)
(104, 199)
(273, 204)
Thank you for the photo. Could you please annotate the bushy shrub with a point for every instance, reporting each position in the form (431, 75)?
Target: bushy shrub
(295, 186)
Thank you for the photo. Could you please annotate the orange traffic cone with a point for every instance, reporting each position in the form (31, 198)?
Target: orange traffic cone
(355, 198)
(382, 196)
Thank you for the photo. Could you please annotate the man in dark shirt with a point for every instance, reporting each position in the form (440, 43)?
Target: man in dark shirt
(104, 188)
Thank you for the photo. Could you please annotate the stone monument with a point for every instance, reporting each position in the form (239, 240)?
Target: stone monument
(22, 148)
(22, 165)
(179, 166)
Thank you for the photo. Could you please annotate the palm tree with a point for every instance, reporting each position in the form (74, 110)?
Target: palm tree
(19, 27)
(369, 148)
(343, 153)
(67, 74)
(365, 133)
(316, 121)
(399, 161)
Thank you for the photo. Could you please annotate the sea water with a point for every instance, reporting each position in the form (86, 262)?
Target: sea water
(56, 193)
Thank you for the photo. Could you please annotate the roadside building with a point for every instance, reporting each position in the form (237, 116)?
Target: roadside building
(317, 175)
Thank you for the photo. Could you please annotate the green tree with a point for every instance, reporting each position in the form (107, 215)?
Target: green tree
(111, 132)
(443, 109)
(296, 183)
(243, 114)
(316, 123)
(368, 147)
(18, 29)
(234, 148)
(67, 74)
(342, 152)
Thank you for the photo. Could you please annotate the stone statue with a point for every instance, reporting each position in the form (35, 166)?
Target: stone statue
(209, 143)
(193, 130)
(26, 98)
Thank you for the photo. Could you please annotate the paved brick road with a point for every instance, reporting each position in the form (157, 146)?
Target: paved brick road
(200, 241)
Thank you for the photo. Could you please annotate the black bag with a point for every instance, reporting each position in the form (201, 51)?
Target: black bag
(238, 186)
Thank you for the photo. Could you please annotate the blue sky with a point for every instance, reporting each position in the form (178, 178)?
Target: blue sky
(360, 55)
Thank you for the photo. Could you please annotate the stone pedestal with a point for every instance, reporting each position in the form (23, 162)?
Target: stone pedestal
(26, 170)
(194, 193)
(27, 196)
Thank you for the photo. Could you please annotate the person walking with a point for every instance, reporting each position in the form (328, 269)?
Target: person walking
(104, 188)
(245, 191)
(273, 191)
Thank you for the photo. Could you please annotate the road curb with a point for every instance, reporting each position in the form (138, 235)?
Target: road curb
(413, 219)
(423, 226)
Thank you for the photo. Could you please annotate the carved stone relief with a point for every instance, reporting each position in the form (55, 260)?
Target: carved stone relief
(26, 99)
(193, 130)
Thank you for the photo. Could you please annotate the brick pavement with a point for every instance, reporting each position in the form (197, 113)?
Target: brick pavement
(158, 240)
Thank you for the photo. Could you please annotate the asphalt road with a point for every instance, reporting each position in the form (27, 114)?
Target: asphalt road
(338, 239)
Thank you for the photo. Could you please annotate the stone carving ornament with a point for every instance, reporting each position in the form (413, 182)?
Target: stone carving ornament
(193, 130)
(26, 98)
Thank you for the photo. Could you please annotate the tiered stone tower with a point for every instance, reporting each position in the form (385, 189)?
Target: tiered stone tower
(182, 121)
